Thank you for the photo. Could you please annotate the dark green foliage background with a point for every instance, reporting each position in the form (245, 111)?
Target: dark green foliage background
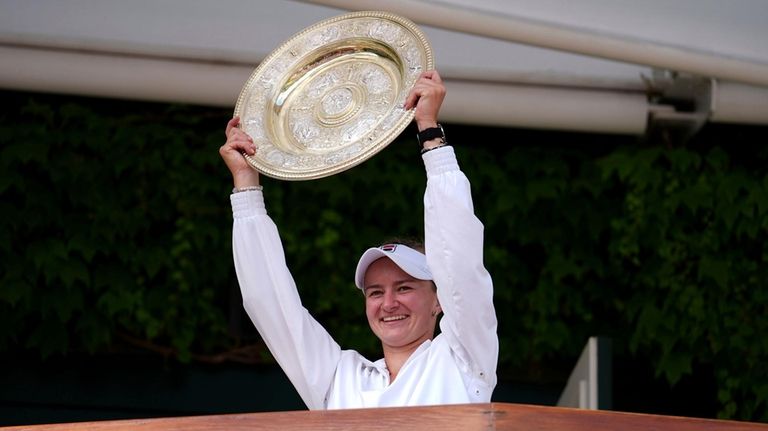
(116, 227)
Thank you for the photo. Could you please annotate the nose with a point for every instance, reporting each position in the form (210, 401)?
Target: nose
(390, 300)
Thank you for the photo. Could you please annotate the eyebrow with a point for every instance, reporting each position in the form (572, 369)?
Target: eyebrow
(397, 283)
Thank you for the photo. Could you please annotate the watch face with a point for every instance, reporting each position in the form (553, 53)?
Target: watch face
(331, 97)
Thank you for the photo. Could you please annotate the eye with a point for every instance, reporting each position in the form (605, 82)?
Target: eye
(404, 288)
(373, 293)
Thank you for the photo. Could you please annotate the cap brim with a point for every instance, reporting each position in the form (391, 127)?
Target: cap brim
(414, 265)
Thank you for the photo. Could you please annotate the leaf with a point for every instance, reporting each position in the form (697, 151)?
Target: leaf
(74, 270)
(675, 366)
(714, 269)
(49, 336)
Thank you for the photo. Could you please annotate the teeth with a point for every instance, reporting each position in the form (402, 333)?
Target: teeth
(393, 318)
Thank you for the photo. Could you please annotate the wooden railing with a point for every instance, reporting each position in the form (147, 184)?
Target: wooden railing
(465, 417)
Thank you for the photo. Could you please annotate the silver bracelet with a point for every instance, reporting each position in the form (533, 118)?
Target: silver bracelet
(247, 189)
(441, 145)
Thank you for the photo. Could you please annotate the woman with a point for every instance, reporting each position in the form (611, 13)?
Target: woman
(405, 290)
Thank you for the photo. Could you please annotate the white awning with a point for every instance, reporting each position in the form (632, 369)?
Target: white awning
(586, 65)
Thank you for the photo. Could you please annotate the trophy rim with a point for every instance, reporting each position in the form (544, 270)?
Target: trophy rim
(397, 117)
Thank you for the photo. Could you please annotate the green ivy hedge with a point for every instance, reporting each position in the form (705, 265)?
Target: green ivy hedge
(116, 231)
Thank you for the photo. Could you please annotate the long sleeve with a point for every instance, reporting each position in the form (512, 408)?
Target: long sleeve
(454, 249)
(303, 348)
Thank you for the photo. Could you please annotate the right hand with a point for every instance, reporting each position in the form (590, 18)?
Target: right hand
(238, 142)
(426, 96)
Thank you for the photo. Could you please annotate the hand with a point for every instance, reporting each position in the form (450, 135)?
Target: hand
(238, 142)
(427, 96)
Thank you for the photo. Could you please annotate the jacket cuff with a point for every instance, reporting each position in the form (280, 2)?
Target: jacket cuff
(440, 160)
(247, 204)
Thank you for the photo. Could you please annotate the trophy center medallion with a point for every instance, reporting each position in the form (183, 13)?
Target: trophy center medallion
(339, 105)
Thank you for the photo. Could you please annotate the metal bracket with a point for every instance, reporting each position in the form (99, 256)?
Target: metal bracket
(680, 105)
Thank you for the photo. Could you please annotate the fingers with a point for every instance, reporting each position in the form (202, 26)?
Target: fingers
(237, 139)
(239, 143)
(410, 101)
(230, 124)
(428, 86)
(427, 97)
(432, 75)
(416, 91)
(413, 95)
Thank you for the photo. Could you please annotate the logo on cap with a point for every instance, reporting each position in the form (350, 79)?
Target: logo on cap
(388, 247)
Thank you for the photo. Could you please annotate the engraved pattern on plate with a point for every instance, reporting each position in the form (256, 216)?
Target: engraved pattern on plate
(255, 127)
(336, 101)
(323, 36)
(376, 80)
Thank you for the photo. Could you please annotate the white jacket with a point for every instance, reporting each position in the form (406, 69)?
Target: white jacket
(457, 366)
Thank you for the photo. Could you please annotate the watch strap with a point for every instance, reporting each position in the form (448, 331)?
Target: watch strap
(430, 134)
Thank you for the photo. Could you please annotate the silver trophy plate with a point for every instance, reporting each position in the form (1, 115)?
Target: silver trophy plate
(332, 95)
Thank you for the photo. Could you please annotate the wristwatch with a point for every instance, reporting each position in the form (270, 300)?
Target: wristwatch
(430, 134)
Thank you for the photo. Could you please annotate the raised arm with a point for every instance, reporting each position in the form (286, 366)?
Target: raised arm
(303, 348)
(454, 245)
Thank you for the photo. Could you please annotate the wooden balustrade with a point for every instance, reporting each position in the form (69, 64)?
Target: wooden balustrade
(465, 417)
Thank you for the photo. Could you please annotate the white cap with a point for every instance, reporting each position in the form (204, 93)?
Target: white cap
(413, 262)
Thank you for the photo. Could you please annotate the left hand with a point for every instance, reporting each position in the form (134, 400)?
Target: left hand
(426, 96)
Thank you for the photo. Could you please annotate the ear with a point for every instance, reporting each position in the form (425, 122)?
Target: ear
(438, 309)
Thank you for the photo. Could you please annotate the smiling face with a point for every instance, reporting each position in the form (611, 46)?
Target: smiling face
(401, 310)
